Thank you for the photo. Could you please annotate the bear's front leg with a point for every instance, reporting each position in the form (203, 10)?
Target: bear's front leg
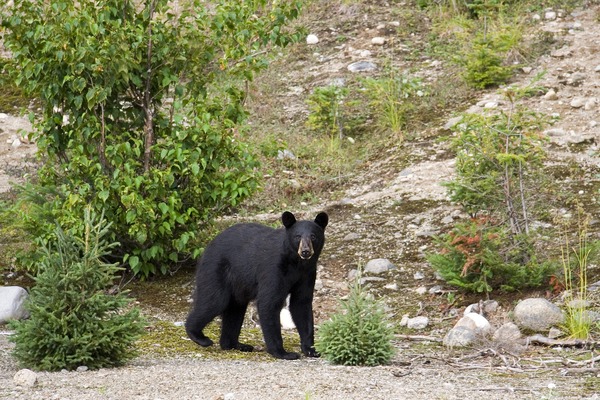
(268, 312)
(302, 314)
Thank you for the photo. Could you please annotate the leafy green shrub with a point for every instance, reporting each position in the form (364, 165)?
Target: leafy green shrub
(73, 321)
(359, 335)
(477, 257)
(142, 112)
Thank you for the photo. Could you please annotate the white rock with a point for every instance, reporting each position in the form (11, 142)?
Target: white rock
(4, 116)
(404, 320)
(421, 290)
(491, 104)
(577, 102)
(25, 378)
(378, 41)
(550, 16)
(590, 104)
(392, 286)
(597, 69)
(475, 322)
(551, 95)
(312, 39)
(419, 275)
(378, 266)
(417, 322)
(319, 285)
(12, 300)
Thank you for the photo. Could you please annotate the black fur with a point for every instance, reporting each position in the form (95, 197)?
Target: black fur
(251, 261)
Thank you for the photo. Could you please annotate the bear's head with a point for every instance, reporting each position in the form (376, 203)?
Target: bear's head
(306, 238)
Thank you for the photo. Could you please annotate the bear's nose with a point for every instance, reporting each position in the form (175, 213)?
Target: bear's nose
(305, 254)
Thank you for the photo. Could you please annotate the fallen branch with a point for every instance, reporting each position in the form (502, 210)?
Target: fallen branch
(541, 339)
(420, 338)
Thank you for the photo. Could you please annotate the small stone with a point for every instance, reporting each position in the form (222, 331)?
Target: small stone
(82, 368)
(285, 155)
(419, 275)
(392, 286)
(421, 290)
(16, 143)
(417, 322)
(352, 236)
(25, 378)
(229, 396)
(555, 333)
(452, 122)
(447, 220)
(597, 69)
(509, 332)
(459, 337)
(362, 66)
(319, 285)
(550, 15)
(576, 79)
(527, 70)
(577, 102)
(590, 104)
(404, 320)
(312, 39)
(556, 132)
(378, 266)
(378, 41)
(437, 289)
(551, 95)
(491, 104)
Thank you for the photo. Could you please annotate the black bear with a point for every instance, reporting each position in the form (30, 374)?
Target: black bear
(254, 262)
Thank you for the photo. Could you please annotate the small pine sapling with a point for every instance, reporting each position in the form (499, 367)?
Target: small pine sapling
(73, 320)
(358, 335)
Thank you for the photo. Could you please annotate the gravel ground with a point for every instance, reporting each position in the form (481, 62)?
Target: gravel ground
(411, 376)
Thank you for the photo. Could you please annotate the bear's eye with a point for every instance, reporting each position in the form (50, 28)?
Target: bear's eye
(313, 237)
(297, 237)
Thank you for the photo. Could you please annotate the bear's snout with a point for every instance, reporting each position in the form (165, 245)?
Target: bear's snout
(305, 249)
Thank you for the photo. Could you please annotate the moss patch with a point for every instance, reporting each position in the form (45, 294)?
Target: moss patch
(164, 339)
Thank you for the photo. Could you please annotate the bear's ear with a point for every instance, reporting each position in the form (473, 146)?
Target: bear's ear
(322, 219)
(288, 219)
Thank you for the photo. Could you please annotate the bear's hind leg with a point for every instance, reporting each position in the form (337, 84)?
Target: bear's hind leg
(233, 318)
(206, 308)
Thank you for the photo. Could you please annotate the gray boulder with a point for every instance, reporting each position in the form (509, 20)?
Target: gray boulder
(537, 314)
(378, 266)
(459, 336)
(12, 299)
